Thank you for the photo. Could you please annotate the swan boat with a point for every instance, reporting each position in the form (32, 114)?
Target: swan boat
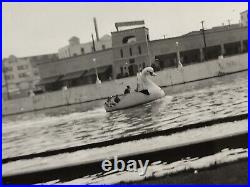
(149, 92)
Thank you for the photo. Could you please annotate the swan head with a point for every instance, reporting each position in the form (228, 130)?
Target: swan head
(148, 71)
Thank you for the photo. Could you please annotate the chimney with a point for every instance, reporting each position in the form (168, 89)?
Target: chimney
(96, 30)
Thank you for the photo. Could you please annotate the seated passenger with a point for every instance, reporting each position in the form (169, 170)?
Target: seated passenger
(144, 91)
(108, 101)
(138, 83)
(117, 99)
(127, 90)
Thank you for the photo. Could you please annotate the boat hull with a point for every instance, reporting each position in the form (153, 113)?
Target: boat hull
(134, 99)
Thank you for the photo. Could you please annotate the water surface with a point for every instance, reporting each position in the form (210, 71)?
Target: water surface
(88, 122)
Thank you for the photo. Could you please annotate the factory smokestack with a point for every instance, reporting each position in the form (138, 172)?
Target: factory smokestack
(96, 30)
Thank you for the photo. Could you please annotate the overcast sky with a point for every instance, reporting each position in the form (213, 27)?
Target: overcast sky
(39, 28)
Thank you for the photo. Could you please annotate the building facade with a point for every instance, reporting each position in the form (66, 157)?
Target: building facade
(130, 51)
(76, 71)
(220, 41)
(21, 75)
(75, 48)
(244, 18)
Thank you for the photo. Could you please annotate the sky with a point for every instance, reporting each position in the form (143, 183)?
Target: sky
(30, 29)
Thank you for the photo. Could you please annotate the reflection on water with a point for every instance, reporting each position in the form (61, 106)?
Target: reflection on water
(87, 123)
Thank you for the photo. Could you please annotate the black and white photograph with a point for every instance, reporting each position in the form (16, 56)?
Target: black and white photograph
(124, 93)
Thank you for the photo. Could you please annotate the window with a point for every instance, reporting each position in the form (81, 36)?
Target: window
(139, 49)
(132, 61)
(128, 39)
(22, 67)
(245, 46)
(232, 48)
(7, 69)
(82, 50)
(121, 52)
(103, 47)
(22, 75)
(130, 51)
(36, 73)
(121, 68)
(9, 77)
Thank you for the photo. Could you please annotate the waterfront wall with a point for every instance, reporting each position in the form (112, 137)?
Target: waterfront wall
(167, 77)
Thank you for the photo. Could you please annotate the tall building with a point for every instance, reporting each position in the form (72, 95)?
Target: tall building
(21, 75)
(75, 48)
(130, 49)
(244, 18)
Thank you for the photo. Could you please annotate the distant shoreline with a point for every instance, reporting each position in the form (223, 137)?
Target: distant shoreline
(6, 114)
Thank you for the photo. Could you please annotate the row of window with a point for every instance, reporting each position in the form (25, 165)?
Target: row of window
(9, 77)
(7, 69)
(20, 75)
(20, 67)
(195, 56)
(131, 51)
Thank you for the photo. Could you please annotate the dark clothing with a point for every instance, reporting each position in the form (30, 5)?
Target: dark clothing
(127, 91)
(145, 92)
(117, 100)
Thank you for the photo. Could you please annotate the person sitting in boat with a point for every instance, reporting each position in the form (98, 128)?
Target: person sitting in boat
(108, 101)
(138, 83)
(117, 99)
(140, 86)
(127, 90)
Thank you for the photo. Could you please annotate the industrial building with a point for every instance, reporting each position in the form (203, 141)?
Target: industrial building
(133, 50)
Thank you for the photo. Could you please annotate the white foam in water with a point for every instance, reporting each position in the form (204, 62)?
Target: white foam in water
(49, 121)
(52, 120)
(127, 148)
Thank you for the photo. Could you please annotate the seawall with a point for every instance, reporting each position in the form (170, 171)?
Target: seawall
(166, 77)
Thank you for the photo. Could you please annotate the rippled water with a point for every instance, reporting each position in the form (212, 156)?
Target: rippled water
(87, 123)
